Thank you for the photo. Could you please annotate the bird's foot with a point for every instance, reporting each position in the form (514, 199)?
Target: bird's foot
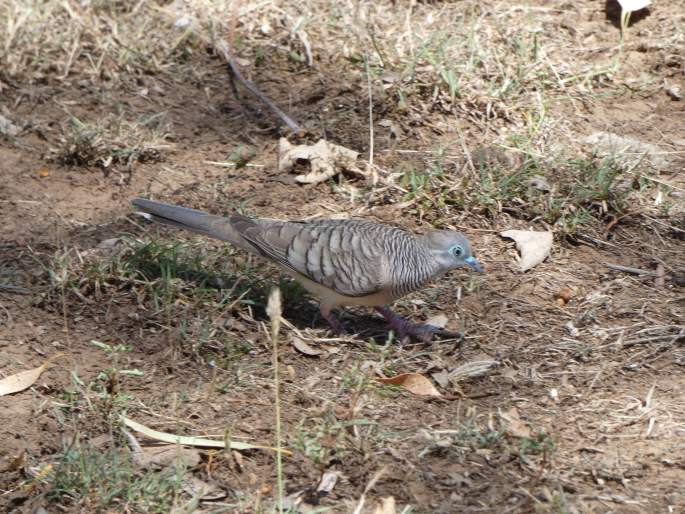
(406, 329)
(333, 321)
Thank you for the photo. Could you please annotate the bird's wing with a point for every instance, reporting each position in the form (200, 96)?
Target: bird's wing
(347, 256)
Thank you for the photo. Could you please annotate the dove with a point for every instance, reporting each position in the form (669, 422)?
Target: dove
(342, 262)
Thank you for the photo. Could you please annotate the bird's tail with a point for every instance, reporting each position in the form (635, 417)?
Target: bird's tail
(200, 222)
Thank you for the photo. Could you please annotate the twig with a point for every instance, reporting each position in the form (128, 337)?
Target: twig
(678, 280)
(273, 310)
(235, 72)
(627, 269)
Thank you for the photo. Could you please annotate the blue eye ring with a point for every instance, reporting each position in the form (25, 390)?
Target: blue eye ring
(457, 251)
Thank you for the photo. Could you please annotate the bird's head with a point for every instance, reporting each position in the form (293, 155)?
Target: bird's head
(451, 250)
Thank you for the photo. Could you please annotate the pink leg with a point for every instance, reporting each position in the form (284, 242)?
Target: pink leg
(406, 329)
(332, 320)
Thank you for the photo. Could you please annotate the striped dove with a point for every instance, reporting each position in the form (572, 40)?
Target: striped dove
(343, 262)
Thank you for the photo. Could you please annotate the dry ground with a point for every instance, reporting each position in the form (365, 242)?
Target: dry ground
(481, 112)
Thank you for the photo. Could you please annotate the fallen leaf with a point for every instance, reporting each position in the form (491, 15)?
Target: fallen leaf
(303, 347)
(515, 426)
(634, 5)
(328, 481)
(7, 128)
(24, 379)
(534, 246)
(43, 172)
(194, 441)
(386, 506)
(414, 383)
(437, 321)
(442, 378)
(325, 160)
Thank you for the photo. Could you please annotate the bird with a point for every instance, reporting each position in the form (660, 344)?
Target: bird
(343, 262)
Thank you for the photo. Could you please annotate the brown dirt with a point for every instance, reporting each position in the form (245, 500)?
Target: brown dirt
(610, 400)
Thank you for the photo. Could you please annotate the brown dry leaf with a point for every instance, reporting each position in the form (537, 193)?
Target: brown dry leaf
(534, 246)
(24, 379)
(301, 346)
(414, 383)
(325, 159)
(516, 427)
(386, 506)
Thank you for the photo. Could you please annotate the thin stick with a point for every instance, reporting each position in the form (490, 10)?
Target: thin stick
(627, 269)
(233, 69)
(273, 310)
(676, 279)
(368, 80)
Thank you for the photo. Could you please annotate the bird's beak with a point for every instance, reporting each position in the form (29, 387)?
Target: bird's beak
(473, 262)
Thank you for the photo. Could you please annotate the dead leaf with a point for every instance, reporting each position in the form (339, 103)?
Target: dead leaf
(442, 378)
(7, 128)
(43, 172)
(386, 506)
(301, 346)
(634, 5)
(325, 160)
(534, 246)
(328, 481)
(24, 379)
(194, 441)
(414, 383)
(515, 426)
(437, 321)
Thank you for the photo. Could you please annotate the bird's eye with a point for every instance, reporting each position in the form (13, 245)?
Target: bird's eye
(457, 251)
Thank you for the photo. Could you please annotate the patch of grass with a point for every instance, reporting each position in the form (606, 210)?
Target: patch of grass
(112, 140)
(473, 435)
(98, 40)
(94, 479)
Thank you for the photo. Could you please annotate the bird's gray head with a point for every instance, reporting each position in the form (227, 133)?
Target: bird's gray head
(451, 250)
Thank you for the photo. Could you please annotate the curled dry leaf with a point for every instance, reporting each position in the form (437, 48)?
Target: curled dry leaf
(301, 346)
(515, 426)
(325, 159)
(24, 379)
(634, 5)
(534, 246)
(414, 383)
(194, 441)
